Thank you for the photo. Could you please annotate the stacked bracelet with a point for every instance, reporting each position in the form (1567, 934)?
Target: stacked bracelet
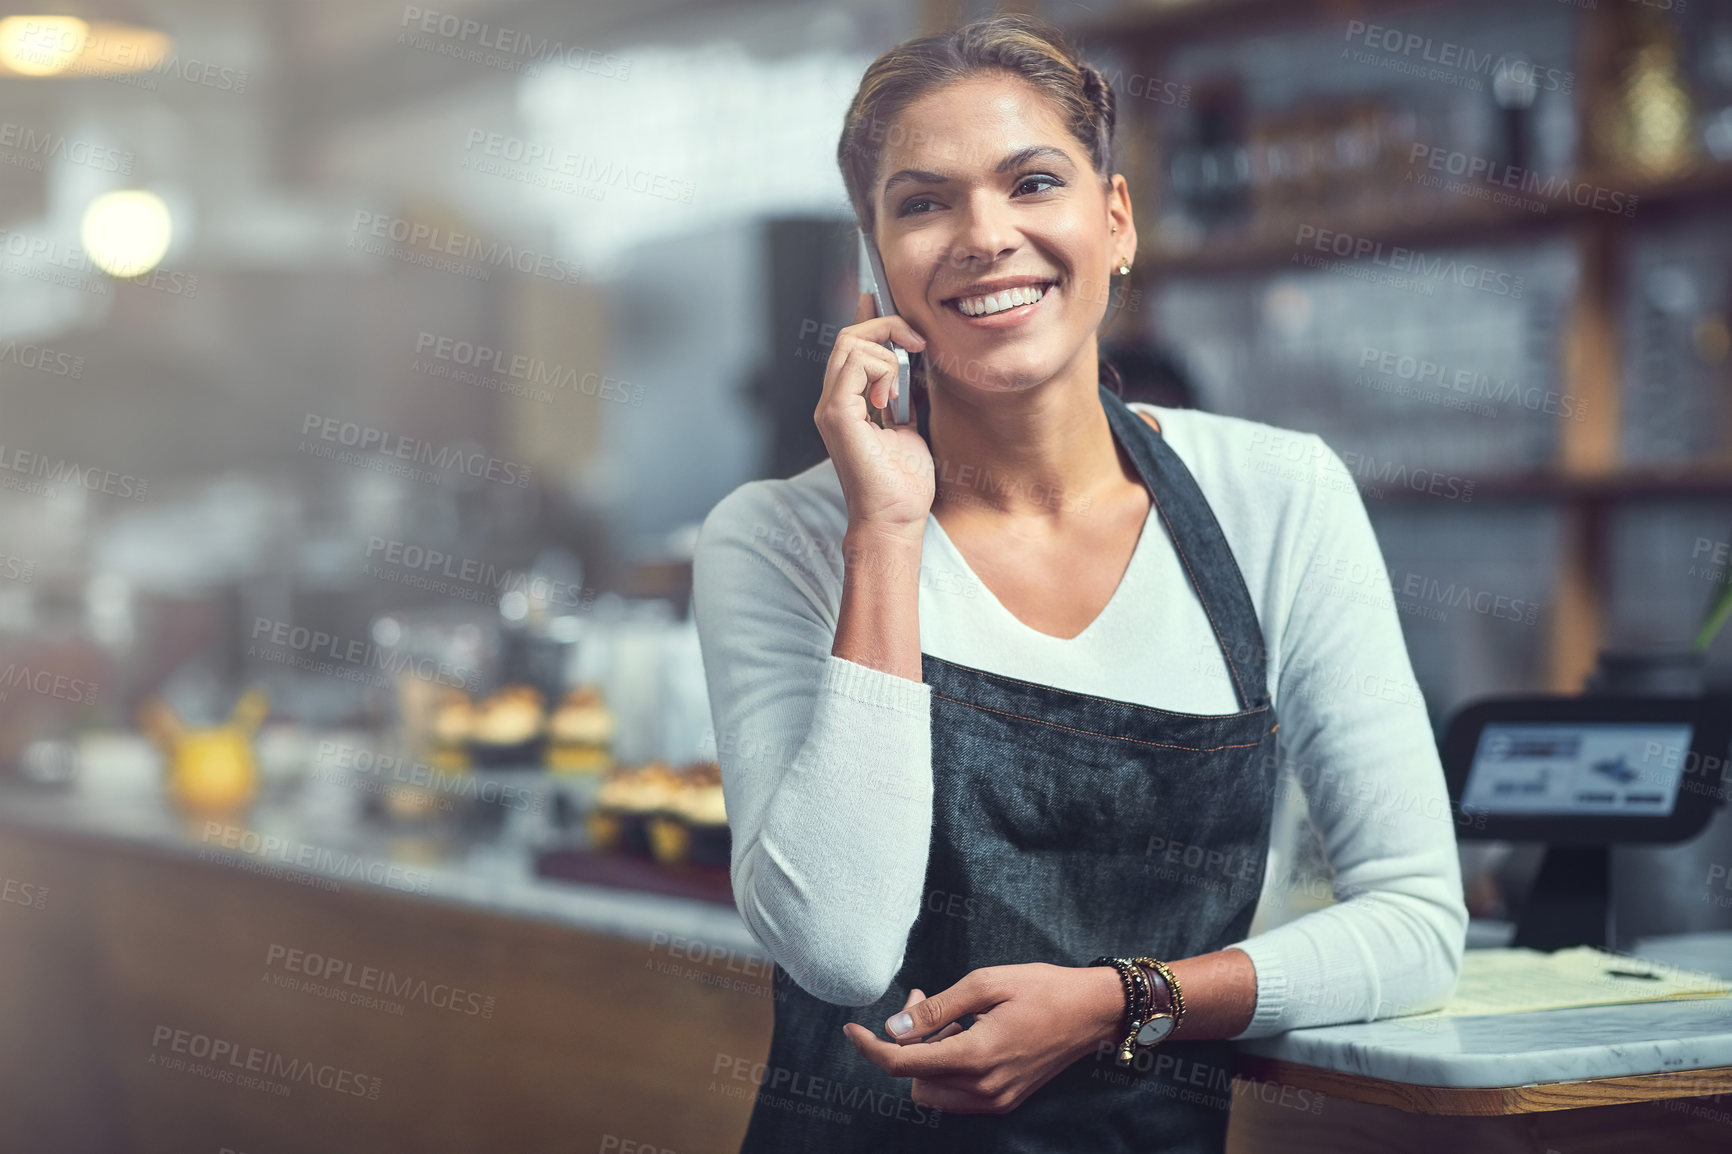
(1163, 1021)
(1153, 1003)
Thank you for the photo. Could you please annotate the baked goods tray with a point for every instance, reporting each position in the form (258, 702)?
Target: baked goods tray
(622, 871)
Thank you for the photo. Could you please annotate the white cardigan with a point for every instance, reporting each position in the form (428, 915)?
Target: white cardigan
(827, 764)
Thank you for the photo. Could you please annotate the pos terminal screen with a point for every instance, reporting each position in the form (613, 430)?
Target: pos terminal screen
(1577, 768)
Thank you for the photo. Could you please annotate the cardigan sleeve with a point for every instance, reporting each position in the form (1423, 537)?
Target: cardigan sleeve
(1356, 738)
(826, 763)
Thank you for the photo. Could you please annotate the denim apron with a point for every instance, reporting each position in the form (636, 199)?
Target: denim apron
(1065, 826)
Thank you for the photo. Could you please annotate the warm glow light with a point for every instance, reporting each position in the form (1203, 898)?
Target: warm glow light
(115, 49)
(126, 233)
(41, 45)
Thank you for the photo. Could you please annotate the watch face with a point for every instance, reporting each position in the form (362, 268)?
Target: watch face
(1155, 1030)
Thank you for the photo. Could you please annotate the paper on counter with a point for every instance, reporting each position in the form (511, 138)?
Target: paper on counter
(1518, 981)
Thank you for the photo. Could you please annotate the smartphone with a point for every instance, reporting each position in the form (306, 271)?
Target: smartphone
(872, 280)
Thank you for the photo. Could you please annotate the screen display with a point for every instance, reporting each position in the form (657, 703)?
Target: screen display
(1578, 768)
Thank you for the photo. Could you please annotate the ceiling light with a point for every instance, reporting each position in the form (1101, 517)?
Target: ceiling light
(54, 45)
(41, 45)
(126, 232)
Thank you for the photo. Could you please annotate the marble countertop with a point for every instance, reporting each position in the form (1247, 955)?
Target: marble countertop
(312, 828)
(1548, 1046)
(310, 825)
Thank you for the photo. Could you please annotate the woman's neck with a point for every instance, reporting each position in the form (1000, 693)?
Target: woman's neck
(1042, 451)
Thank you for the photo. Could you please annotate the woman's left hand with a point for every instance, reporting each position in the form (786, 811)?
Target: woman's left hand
(1030, 1022)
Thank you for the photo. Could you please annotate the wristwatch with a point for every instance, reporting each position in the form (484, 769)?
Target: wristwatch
(1167, 1008)
(1154, 1004)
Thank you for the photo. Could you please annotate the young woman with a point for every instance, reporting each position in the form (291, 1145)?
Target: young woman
(995, 696)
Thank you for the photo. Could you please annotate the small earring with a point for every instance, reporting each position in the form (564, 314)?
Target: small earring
(1115, 228)
(1124, 268)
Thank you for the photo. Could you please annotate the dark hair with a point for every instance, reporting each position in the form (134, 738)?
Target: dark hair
(1018, 45)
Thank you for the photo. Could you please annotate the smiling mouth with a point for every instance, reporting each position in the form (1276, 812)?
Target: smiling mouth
(1005, 300)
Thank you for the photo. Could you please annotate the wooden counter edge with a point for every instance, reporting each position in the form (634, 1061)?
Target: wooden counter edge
(1489, 1101)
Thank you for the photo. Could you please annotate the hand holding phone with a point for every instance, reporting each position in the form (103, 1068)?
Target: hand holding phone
(872, 280)
(885, 468)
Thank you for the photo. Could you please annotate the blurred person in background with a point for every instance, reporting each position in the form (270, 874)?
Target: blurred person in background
(1144, 371)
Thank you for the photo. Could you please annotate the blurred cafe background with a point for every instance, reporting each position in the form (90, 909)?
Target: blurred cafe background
(367, 368)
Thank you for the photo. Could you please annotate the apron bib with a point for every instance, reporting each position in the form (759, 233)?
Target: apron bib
(1065, 826)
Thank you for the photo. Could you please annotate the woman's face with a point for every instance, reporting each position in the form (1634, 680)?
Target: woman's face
(982, 188)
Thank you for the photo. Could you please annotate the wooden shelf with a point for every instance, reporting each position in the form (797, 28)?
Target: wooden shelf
(1689, 483)
(1586, 483)
(1435, 220)
(1165, 26)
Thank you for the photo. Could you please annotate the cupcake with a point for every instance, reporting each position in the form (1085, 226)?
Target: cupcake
(510, 728)
(693, 824)
(453, 723)
(626, 802)
(580, 733)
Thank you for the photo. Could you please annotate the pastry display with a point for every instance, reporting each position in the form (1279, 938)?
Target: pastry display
(580, 733)
(510, 728)
(693, 823)
(628, 798)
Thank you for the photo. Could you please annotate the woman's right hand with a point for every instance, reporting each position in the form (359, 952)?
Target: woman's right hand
(886, 473)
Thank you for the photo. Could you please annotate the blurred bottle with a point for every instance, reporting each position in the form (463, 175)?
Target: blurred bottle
(1651, 129)
(1209, 169)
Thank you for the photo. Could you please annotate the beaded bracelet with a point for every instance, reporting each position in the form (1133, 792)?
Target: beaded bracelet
(1139, 999)
(1176, 1011)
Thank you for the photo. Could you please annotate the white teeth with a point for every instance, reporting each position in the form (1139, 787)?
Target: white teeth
(999, 301)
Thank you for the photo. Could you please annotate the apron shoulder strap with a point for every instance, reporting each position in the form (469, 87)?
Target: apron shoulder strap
(1202, 548)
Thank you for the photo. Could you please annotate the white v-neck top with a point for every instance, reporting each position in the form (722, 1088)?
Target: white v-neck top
(1154, 599)
(827, 764)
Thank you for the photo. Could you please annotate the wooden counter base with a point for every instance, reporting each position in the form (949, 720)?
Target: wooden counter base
(1494, 1100)
(1374, 1116)
(589, 1037)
